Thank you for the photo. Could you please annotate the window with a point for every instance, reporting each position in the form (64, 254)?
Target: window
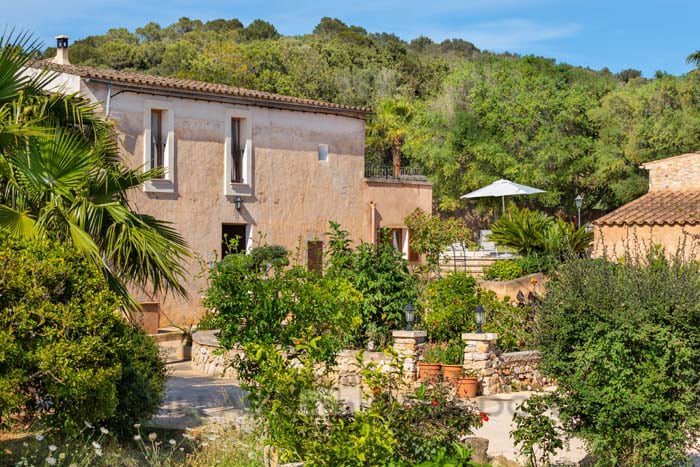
(233, 239)
(397, 239)
(159, 145)
(322, 152)
(315, 255)
(157, 140)
(236, 151)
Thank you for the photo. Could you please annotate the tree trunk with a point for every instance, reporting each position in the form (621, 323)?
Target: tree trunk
(396, 156)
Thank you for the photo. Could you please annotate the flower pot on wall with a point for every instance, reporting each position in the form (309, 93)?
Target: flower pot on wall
(451, 373)
(467, 387)
(429, 372)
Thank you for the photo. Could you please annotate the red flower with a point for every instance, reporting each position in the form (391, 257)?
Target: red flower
(434, 402)
(484, 416)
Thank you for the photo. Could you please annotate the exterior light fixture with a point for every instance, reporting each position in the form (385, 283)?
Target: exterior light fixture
(410, 314)
(579, 203)
(480, 316)
(238, 202)
(211, 256)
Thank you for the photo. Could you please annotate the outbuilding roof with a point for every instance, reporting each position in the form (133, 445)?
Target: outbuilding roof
(663, 207)
(202, 89)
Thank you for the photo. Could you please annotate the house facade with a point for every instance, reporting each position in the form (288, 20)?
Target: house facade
(260, 167)
(667, 216)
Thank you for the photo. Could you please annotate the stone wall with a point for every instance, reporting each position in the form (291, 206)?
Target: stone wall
(675, 173)
(498, 372)
(207, 357)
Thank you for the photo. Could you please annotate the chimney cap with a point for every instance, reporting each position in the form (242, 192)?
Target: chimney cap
(61, 36)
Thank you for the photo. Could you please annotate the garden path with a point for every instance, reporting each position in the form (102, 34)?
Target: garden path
(193, 400)
(500, 409)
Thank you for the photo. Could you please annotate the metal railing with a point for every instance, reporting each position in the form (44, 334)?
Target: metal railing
(387, 172)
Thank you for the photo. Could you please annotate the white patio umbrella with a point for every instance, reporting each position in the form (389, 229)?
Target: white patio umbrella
(502, 188)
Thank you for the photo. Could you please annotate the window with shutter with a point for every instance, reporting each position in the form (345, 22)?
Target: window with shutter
(315, 255)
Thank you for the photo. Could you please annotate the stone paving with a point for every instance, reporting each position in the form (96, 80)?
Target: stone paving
(193, 400)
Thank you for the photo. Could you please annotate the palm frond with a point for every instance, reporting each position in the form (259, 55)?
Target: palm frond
(18, 223)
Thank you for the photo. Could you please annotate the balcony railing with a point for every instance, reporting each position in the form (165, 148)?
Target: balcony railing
(388, 172)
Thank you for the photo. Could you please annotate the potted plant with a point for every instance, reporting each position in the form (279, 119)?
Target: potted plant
(184, 351)
(468, 385)
(429, 366)
(453, 358)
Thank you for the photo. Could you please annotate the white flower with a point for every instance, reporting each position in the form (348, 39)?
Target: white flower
(137, 425)
(137, 437)
(172, 442)
(62, 456)
(188, 436)
(73, 465)
(182, 449)
(152, 436)
(39, 438)
(96, 445)
(50, 460)
(212, 437)
(25, 444)
(205, 444)
(88, 425)
(98, 452)
(104, 430)
(52, 448)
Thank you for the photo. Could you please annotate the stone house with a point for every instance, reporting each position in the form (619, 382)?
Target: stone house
(262, 167)
(668, 215)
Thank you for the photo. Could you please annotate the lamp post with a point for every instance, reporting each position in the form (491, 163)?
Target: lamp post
(480, 317)
(410, 314)
(579, 203)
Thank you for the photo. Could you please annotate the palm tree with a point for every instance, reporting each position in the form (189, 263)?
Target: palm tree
(694, 59)
(61, 177)
(389, 128)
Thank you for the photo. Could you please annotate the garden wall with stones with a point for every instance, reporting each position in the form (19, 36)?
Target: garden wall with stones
(498, 372)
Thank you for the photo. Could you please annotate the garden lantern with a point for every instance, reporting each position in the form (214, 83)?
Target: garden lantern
(579, 203)
(238, 202)
(410, 314)
(480, 316)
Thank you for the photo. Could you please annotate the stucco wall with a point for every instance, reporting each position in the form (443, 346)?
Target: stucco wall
(294, 194)
(612, 241)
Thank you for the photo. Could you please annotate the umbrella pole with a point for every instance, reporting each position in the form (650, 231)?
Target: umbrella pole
(503, 202)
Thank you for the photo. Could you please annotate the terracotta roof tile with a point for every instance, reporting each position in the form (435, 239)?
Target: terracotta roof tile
(663, 207)
(202, 87)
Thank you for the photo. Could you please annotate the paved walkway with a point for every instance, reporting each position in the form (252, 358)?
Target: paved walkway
(194, 400)
(500, 409)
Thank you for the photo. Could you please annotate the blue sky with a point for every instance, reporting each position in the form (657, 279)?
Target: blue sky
(646, 35)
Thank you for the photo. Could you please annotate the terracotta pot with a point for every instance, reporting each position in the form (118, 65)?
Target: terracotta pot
(451, 373)
(467, 387)
(429, 372)
(184, 352)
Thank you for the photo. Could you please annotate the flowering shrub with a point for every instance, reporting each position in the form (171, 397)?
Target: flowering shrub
(67, 356)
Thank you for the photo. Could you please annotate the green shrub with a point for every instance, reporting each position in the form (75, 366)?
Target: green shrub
(534, 232)
(381, 275)
(448, 304)
(433, 353)
(521, 229)
(454, 353)
(255, 306)
(623, 343)
(67, 357)
(448, 311)
(503, 271)
(269, 256)
(534, 263)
